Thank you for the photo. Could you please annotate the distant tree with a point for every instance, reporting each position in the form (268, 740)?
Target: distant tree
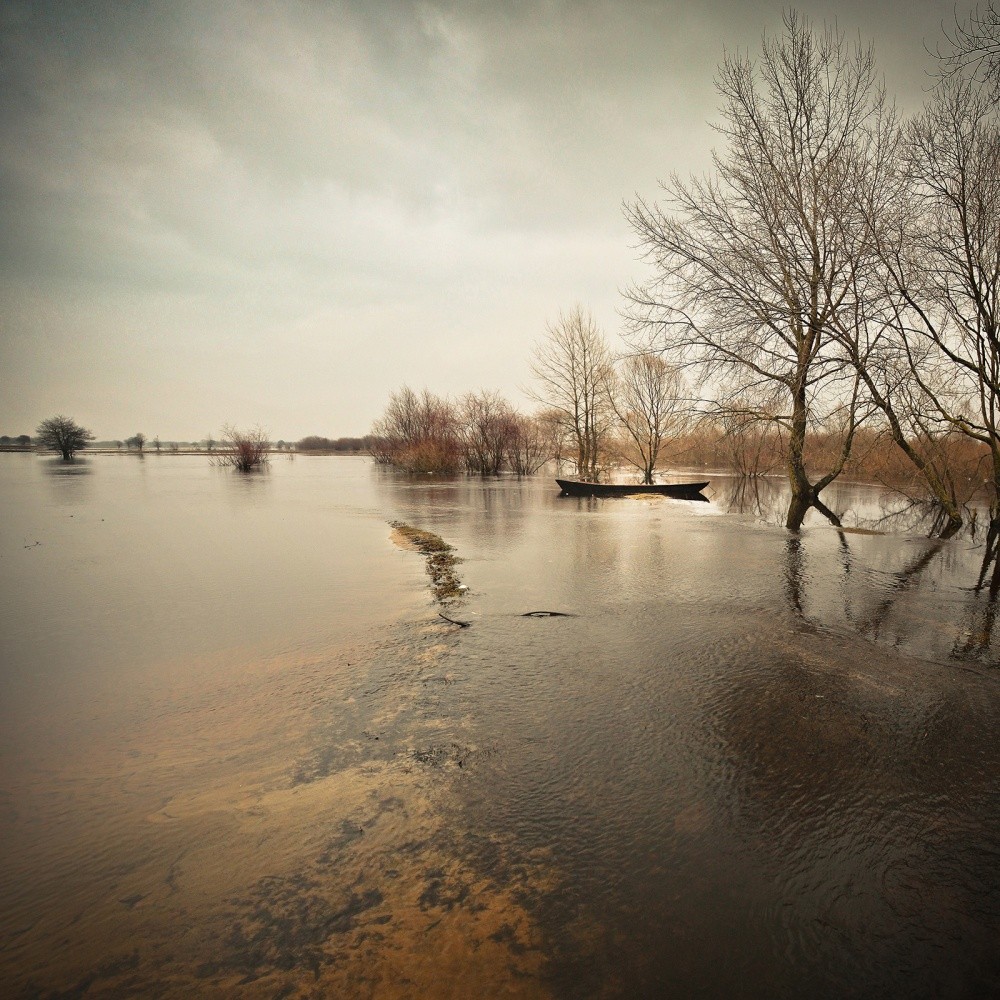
(528, 445)
(486, 423)
(210, 443)
(156, 442)
(24, 440)
(64, 435)
(572, 370)
(647, 397)
(418, 433)
(118, 445)
(243, 450)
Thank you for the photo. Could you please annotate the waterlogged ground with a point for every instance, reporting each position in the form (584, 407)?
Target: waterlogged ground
(244, 756)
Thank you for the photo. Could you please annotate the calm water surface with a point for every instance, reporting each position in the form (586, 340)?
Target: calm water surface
(242, 756)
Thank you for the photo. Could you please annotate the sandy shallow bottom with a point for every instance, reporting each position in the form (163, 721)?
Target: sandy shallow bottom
(258, 839)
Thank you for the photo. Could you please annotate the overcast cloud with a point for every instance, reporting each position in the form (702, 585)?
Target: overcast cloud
(280, 212)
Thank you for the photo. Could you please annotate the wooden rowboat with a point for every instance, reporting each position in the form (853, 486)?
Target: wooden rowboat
(680, 491)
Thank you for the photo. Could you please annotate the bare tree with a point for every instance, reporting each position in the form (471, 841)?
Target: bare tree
(751, 438)
(972, 48)
(552, 425)
(486, 425)
(942, 266)
(528, 445)
(752, 265)
(647, 396)
(243, 450)
(572, 370)
(64, 435)
(418, 433)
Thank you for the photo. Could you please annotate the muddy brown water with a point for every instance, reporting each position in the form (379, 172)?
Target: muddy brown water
(241, 756)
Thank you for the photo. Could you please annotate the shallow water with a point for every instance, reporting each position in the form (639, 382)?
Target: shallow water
(246, 757)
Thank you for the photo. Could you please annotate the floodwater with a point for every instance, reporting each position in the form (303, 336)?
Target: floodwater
(241, 755)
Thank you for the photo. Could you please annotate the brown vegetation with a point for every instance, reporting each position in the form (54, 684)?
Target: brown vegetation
(342, 444)
(481, 434)
(243, 450)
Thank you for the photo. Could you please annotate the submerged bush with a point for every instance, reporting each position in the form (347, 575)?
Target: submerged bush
(242, 450)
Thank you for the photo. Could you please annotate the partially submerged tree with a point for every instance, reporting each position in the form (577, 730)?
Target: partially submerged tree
(527, 445)
(418, 433)
(647, 396)
(486, 424)
(930, 358)
(243, 450)
(751, 265)
(572, 370)
(64, 435)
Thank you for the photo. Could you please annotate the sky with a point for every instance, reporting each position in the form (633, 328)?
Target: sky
(277, 213)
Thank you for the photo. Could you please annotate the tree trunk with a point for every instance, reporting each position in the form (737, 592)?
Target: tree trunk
(802, 492)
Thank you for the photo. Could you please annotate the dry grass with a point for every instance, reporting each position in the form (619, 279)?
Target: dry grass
(441, 560)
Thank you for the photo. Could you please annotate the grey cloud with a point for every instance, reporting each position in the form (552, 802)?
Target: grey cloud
(402, 175)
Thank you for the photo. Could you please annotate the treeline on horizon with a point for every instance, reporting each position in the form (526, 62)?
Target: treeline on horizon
(139, 442)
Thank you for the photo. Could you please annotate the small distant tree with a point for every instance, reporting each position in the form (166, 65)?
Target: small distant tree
(24, 440)
(156, 442)
(64, 435)
(243, 450)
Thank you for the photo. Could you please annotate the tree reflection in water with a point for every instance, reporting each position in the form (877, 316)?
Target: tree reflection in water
(871, 600)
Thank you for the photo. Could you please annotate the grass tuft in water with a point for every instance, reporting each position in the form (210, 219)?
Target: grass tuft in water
(441, 561)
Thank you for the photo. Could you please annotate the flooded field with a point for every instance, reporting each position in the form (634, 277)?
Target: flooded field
(243, 755)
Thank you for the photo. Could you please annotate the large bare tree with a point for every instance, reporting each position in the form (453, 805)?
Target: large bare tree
(942, 264)
(752, 264)
(572, 369)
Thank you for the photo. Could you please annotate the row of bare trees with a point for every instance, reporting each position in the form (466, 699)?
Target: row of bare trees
(607, 409)
(839, 267)
(481, 433)
(596, 411)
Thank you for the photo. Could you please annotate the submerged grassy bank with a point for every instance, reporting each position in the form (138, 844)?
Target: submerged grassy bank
(441, 560)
